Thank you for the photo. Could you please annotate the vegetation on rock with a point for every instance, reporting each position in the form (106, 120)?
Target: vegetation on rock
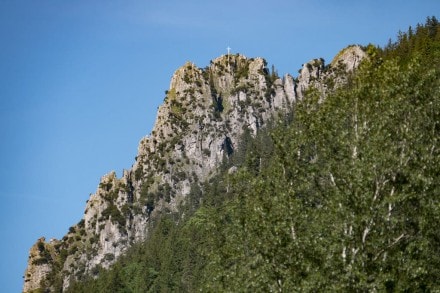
(340, 194)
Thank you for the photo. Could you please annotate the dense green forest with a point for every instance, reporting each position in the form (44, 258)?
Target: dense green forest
(336, 195)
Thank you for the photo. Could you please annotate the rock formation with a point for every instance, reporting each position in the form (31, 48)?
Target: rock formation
(204, 114)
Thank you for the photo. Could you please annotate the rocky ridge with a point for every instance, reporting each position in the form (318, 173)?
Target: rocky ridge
(205, 111)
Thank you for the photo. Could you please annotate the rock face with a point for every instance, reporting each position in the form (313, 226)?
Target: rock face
(204, 113)
(39, 264)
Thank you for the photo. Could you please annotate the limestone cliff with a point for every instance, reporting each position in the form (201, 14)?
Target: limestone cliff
(205, 111)
(40, 261)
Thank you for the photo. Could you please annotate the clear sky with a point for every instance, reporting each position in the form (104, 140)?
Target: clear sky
(80, 83)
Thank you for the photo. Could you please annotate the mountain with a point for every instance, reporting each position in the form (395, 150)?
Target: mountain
(252, 182)
(204, 114)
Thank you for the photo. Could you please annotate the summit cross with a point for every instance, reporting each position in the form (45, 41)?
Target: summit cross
(229, 49)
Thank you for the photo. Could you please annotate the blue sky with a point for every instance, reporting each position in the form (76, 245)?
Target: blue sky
(80, 83)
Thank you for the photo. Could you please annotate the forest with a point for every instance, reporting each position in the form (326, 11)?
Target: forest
(340, 194)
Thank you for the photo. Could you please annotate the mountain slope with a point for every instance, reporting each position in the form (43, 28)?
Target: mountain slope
(340, 195)
(204, 114)
(251, 182)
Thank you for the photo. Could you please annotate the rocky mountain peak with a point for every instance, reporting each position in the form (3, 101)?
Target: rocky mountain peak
(350, 57)
(204, 114)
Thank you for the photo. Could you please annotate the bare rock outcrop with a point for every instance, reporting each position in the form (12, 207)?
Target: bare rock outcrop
(40, 264)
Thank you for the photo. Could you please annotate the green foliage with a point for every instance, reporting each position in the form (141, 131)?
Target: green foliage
(176, 109)
(114, 213)
(41, 246)
(106, 186)
(138, 173)
(242, 70)
(424, 40)
(338, 196)
(170, 95)
(40, 261)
